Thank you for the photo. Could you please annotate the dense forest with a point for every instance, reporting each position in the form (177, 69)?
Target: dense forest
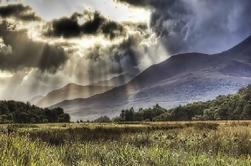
(18, 112)
(231, 107)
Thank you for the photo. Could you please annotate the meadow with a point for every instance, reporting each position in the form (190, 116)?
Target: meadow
(133, 144)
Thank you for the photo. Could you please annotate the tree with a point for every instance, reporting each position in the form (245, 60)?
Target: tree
(18, 112)
(246, 114)
(102, 119)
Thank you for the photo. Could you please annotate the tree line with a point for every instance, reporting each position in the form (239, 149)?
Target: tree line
(19, 112)
(230, 107)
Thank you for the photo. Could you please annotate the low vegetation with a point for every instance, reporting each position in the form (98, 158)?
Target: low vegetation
(18, 112)
(149, 144)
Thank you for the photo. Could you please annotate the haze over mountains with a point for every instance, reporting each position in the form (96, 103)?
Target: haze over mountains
(69, 92)
(181, 79)
(73, 91)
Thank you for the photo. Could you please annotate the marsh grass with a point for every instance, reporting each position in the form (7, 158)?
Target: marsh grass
(147, 144)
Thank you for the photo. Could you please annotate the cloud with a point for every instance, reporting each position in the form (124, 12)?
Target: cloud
(154, 4)
(18, 51)
(198, 25)
(18, 11)
(132, 55)
(119, 58)
(94, 24)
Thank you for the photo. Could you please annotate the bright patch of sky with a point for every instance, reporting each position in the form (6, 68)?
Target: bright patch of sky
(51, 9)
(4, 74)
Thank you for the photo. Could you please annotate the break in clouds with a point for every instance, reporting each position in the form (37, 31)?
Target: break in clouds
(87, 46)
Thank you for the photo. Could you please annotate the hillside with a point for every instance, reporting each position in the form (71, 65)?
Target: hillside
(181, 79)
(70, 92)
(18, 112)
(230, 107)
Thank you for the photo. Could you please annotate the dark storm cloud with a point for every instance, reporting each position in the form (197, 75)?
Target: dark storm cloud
(19, 11)
(120, 58)
(148, 3)
(18, 52)
(198, 25)
(96, 24)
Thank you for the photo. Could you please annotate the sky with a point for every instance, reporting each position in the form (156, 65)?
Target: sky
(46, 44)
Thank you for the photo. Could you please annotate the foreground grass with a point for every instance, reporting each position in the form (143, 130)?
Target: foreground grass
(138, 144)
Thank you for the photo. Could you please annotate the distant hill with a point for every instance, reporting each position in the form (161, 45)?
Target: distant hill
(181, 79)
(35, 99)
(73, 91)
(70, 92)
(118, 80)
(18, 112)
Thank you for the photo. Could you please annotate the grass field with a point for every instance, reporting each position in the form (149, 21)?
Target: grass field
(151, 144)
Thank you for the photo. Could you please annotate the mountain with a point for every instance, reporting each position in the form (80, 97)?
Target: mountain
(241, 52)
(74, 91)
(118, 80)
(35, 99)
(179, 80)
(70, 92)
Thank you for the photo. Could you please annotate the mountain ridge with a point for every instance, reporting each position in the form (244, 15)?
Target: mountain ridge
(201, 76)
(71, 91)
